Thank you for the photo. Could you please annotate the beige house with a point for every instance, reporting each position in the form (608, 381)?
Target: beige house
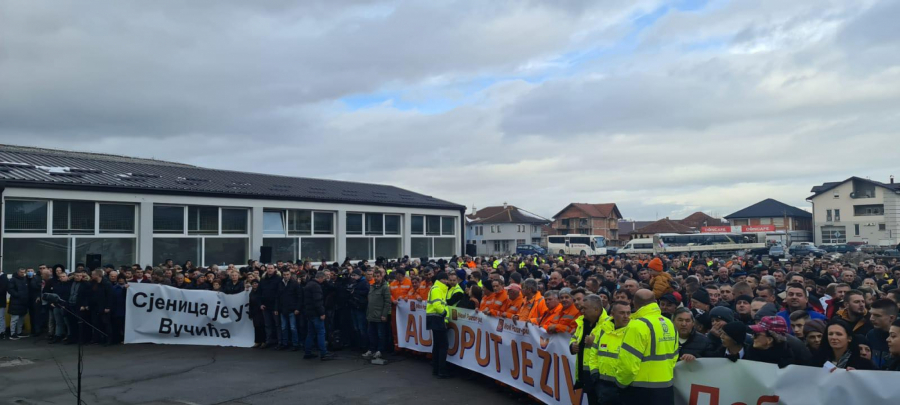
(856, 210)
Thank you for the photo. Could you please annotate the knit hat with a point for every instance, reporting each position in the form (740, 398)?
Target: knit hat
(736, 330)
(656, 265)
(702, 296)
(723, 313)
(775, 324)
(744, 297)
(767, 310)
(814, 325)
(669, 298)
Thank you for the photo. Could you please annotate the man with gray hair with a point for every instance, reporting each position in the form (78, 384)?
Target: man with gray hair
(587, 332)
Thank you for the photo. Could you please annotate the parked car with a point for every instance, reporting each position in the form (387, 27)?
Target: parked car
(805, 250)
(842, 248)
(777, 251)
(526, 250)
(891, 253)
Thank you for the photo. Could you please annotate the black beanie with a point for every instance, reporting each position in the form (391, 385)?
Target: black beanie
(702, 296)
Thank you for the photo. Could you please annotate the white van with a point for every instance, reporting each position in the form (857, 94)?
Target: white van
(637, 246)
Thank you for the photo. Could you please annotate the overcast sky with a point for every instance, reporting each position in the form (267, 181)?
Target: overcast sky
(665, 108)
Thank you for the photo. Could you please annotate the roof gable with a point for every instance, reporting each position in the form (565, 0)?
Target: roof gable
(664, 225)
(604, 210)
(817, 190)
(699, 219)
(770, 208)
(508, 215)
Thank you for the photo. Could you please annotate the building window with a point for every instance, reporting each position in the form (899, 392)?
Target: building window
(29, 252)
(834, 234)
(25, 216)
(73, 217)
(437, 226)
(179, 250)
(203, 220)
(496, 245)
(317, 249)
(520, 241)
(283, 249)
(117, 218)
(882, 227)
(234, 221)
(418, 225)
(765, 221)
(828, 215)
(856, 229)
(273, 222)
(115, 251)
(300, 222)
(778, 222)
(168, 219)
(384, 236)
(868, 210)
(432, 225)
(837, 215)
(740, 222)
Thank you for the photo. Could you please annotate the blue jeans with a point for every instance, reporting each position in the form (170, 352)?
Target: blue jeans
(315, 327)
(360, 327)
(59, 318)
(378, 336)
(289, 329)
(271, 322)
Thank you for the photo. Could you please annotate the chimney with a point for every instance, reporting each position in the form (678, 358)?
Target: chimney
(892, 179)
(504, 205)
(473, 209)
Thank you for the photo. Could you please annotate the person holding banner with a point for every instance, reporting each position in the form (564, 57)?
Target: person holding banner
(436, 322)
(648, 355)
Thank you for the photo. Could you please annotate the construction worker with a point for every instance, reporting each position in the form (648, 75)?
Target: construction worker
(606, 347)
(492, 304)
(496, 263)
(534, 305)
(648, 354)
(436, 321)
(582, 344)
(564, 319)
(515, 302)
(551, 300)
(400, 286)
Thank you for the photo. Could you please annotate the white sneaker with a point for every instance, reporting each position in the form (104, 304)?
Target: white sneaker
(376, 356)
(367, 355)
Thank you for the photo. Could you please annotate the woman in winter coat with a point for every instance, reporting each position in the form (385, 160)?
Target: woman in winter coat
(18, 303)
(841, 349)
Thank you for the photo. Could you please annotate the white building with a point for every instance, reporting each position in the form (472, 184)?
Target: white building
(856, 210)
(59, 206)
(499, 229)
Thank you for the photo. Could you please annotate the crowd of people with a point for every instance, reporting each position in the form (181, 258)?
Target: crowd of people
(819, 312)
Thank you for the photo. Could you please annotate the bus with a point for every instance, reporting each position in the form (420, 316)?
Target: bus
(637, 246)
(707, 244)
(577, 244)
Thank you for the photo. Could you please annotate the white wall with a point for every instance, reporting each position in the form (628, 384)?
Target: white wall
(868, 224)
(145, 207)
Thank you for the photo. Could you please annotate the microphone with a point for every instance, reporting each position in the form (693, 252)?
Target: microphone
(51, 298)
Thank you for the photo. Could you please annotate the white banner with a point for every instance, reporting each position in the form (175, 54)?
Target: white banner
(161, 314)
(514, 353)
(722, 382)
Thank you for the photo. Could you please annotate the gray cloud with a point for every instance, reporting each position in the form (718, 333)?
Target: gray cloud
(712, 110)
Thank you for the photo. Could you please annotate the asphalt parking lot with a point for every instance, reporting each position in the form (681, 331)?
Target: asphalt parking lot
(157, 374)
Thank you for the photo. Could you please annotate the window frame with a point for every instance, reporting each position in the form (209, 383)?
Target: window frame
(373, 237)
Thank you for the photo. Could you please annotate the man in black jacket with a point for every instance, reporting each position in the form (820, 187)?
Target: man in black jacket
(692, 344)
(288, 310)
(314, 309)
(62, 288)
(100, 305)
(268, 290)
(18, 303)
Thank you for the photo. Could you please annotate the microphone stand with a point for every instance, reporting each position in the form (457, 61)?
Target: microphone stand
(81, 321)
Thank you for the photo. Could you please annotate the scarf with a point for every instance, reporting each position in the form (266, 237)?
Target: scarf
(842, 362)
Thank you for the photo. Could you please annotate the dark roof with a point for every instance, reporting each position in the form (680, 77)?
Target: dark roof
(816, 190)
(698, 220)
(664, 225)
(770, 208)
(628, 227)
(47, 168)
(604, 210)
(505, 215)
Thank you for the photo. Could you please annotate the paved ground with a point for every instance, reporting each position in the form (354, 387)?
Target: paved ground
(155, 374)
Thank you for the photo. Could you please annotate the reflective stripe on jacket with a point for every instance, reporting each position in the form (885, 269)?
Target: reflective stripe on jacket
(607, 349)
(437, 300)
(649, 350)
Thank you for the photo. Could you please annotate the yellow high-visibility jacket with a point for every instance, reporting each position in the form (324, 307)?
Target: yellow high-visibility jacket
(649, 350)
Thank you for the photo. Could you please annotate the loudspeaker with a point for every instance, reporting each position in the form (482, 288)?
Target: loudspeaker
(471, 249)
(93, 261)
(265, 254)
